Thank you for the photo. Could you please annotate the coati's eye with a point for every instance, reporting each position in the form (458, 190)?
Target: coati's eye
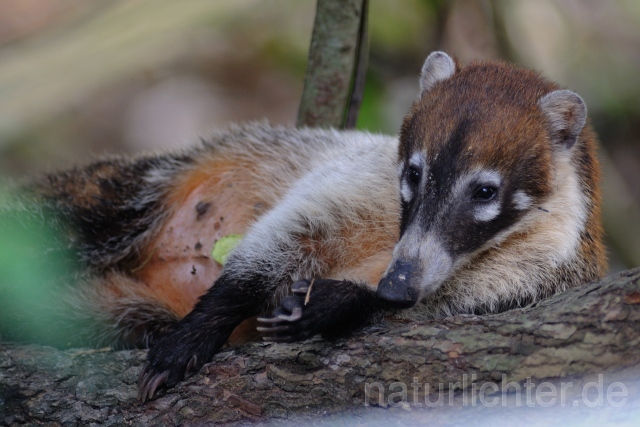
(413, 175)
(485, 193)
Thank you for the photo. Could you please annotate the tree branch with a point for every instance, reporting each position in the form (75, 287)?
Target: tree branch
(589, 330)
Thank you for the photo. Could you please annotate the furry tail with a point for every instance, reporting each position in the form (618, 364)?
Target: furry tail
(49, 297)
(67, 311)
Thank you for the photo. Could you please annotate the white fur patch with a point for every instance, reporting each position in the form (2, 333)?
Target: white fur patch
(405, 191)
(417, 160)
(521, 200)
(486, 212)
(568, 207)
(436, 263)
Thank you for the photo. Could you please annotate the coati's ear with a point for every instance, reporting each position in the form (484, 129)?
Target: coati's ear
(567, 115)
(437, 67)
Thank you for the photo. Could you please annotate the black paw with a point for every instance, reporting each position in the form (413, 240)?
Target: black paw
(318, 306)
(287, 322)
(171, 359)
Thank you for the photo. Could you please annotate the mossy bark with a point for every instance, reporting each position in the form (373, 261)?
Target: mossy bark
(589, 331)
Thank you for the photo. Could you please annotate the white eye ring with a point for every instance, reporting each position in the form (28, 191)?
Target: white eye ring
(486, 212)
(521, 200)
(405, 191)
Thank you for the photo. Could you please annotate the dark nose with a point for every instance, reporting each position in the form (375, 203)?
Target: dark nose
(395, 287)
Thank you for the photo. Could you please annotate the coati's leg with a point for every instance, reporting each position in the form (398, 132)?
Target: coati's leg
(332, 308)
(262, 268)
(198, 336)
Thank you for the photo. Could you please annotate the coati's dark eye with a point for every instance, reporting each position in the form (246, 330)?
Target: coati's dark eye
(485, 193)
(414, 175)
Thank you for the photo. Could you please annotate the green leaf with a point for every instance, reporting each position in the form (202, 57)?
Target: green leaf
(224, 246)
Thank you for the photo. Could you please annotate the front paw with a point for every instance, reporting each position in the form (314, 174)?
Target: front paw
(291, 321)
(317, 306)
(170, 360)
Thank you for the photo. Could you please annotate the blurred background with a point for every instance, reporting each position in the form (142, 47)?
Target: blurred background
(80, 78)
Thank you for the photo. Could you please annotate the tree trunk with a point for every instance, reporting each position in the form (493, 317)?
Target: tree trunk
(334, 83)
(576, 336)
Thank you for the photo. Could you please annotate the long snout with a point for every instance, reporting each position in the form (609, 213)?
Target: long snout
(396, 287)
(420, 265)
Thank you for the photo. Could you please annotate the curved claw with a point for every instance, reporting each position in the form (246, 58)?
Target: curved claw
(301, 290)
(296, 314)
(151, 384)
(286, 323)
(302, 287)
(268, 320)
(190, 365)
(143, 371)
(145, 375)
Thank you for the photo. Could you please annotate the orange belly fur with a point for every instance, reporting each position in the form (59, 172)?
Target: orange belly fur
(176, 268)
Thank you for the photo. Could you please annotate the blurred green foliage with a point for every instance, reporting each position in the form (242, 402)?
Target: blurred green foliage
(33, 269)
(371, 115)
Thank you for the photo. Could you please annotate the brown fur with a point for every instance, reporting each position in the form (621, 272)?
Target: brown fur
(144, 228)
(505, 96)
(496, 104)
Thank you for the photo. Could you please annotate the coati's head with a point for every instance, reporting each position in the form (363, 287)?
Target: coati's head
(478, 151)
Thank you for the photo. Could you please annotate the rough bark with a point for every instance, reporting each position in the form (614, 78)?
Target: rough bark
(575, 335)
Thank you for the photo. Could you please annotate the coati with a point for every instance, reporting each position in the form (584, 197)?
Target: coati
(488, 200)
